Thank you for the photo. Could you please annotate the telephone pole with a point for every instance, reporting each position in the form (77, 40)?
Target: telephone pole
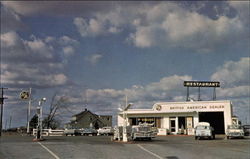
(28, 114)
(1, 102)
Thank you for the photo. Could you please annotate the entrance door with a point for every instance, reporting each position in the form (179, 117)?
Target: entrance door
(172, 125)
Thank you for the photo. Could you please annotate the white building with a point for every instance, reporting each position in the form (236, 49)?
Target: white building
(182, 116)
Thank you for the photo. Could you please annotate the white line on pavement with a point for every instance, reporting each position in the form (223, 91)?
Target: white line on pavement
(54, 155)
(150, 152)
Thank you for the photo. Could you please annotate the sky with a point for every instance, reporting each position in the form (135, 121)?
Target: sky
(95, 53)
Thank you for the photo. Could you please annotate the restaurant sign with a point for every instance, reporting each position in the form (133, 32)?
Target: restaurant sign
(201, 84)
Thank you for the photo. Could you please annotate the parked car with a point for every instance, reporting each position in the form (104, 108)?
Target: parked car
(105, 131)
(78, 132)
(143, 131)
(234, 131)
(246, 129)
(70, 132)
(204, 130)
(89, 131)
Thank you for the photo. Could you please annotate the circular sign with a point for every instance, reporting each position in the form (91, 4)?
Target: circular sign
(158, 107)
(24, 95)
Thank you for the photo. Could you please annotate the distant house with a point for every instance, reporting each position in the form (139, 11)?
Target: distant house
(86, 119)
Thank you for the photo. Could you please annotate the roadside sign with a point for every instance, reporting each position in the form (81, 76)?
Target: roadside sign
(24, 95)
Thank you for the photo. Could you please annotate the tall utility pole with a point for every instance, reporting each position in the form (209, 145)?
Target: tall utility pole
(28, 115)
(1, 102)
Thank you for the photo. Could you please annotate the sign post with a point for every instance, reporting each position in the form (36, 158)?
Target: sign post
(24, 95)
(201, 84)
(1, 102)
(39, 122)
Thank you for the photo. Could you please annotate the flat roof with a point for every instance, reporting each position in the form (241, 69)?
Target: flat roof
(181, 107)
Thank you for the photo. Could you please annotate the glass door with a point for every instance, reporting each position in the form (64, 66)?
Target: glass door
(172, 125)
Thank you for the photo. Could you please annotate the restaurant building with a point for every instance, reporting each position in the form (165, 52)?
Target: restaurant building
(182, 117)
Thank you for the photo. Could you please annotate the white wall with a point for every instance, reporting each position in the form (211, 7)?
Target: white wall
(119, 120)
(228, 115)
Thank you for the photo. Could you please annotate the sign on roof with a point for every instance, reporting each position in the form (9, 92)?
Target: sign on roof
(201, 84)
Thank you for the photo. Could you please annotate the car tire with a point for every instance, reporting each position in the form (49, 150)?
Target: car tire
(196, 137)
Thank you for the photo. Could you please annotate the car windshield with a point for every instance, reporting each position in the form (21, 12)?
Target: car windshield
(234, 127)
(202, 127)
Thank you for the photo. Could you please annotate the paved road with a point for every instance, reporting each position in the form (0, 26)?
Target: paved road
(101, 147)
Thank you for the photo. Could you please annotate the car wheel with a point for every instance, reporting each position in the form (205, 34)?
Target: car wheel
(196, 137)
(227, 137)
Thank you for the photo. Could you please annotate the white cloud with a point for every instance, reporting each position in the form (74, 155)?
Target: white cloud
(57, 79)
(65, 40)
(233, 73)
(237, 91)
(68, 51)
(95, 26)
(167, 24)
(89, 28)
(9, 39)
(148, 24)
(186, 29)
(235, 85)
(166, 89)
(34, 62)
(94, 59)
(49, 39)
(38, 46)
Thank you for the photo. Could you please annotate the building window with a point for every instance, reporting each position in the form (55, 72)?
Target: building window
(156, 121)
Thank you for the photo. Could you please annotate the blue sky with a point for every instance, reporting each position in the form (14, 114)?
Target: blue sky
(102, 51)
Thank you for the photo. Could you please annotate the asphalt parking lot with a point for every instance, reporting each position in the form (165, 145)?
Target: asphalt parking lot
(101, 147)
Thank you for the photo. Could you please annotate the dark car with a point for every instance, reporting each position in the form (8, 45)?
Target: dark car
(89, 131)
(246, 129)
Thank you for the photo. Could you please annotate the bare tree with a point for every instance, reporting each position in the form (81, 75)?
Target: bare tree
(57, 103)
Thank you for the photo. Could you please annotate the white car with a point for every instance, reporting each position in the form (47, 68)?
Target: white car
(105, 131)
(204, 130)
(234, 131)
(70, 132)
